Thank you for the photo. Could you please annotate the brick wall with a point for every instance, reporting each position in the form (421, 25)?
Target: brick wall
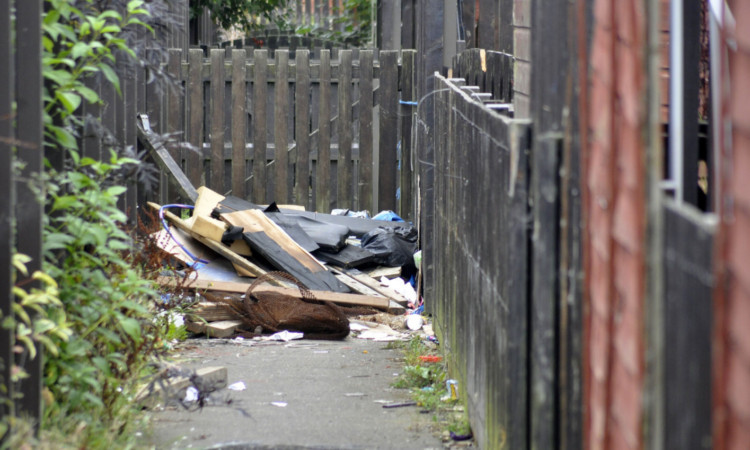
(615, 207)
(731, 414)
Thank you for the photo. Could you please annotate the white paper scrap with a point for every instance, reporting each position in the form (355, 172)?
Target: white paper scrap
(238, 386)
(191, 394)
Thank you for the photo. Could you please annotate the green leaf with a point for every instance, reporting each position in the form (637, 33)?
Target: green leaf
(89, 94)
(61, 77)
(116, 190)
(111, 76)
(64, 137)
(79, 49)
(132, 327)
(110, 14)
(69, 100)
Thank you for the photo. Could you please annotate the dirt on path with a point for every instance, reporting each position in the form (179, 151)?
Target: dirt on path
(301, 394)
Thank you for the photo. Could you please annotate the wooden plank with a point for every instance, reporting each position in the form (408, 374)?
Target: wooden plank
(220, 329)
(388, 160)
(164, 159)
(323, 175)
(217, 120)
(365, 132)
(407, 208)
(194, 157)
(341, 298)
(211, 312)
(270, 241)
(260, 88)
(281, 133)
(388, 272)
(344, 166)
(302, 128)
(239, 123)
(219, 248)
(371, 283)
(7, 135)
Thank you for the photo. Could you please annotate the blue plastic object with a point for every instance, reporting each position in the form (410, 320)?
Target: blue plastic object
(389, 216)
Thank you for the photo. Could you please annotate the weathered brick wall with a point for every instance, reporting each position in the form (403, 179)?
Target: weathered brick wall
(615, 231)
(731, 414)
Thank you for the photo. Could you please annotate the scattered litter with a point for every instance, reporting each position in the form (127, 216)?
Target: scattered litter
(320, 351)
(461, 437)
(356, 326)
(238, 386)
(414, 322)
(383, 401)
(238, 339)
(280, 404)
(191, 395)
(387, 215)
(400, 405)
(399, 285)
(285, 336)
(431, 358)
(355, 394)
(452, 386)
(428, 389)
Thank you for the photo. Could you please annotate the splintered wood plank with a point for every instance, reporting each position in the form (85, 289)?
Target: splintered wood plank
(269, 240)
(164, 160)
(217, 119)
(260, 91)
(345, 199)
(281, 120)
(341, 298)
(302, 130)
(239, 122)
(212, 312)
(218, 247)
(194, 159)
(365, 131)
(323, 175)
(220, 329)
(204, 204)
(372, 284)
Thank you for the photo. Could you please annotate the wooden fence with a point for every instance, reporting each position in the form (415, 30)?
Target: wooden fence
(481, 258)
(322, 133)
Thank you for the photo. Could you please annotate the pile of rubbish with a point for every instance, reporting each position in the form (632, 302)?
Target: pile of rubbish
(258, 270)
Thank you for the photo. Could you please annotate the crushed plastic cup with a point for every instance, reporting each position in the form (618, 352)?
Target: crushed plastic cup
(414, 322)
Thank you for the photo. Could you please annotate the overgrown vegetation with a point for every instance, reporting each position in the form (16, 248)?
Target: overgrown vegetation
(427, 383)
(94, 313)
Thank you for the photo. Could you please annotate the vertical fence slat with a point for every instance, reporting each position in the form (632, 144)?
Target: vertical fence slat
(323, 176)
(302, 124)
(365, 131)
(194, 159)
(174, 120)
(239, 123)
(217, 120)
(29, 211)
(260, 90)
(6, 200)
(281, 131)
(345, 197)
(407, 210)
(388, 160)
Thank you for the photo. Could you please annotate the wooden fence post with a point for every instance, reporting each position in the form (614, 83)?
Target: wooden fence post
(239, 123)
(365, 131)
(345, 189)
(217, 120)
(407, 204)
(194, 159)
(281, 123)
(323, 175)
(175, 119)
(388, 100)
(302, 128)
(260, 88)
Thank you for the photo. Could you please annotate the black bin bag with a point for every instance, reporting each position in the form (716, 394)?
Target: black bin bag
(392, 246)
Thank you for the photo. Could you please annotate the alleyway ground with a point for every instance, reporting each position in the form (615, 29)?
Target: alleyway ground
(333, 391)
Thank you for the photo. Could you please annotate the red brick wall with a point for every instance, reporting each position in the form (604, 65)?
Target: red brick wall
(615, 208)
(731, 414)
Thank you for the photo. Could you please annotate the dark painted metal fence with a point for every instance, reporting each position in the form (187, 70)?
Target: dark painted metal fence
(688, 315)
(20, 209)
(481, 258)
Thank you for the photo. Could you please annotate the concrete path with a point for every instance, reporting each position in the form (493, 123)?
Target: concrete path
(301, 394)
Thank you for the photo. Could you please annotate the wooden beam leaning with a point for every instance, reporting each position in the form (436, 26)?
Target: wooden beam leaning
(260, 89)
(239, 123)
(217, 120)
(302, 128)
(163, 158)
